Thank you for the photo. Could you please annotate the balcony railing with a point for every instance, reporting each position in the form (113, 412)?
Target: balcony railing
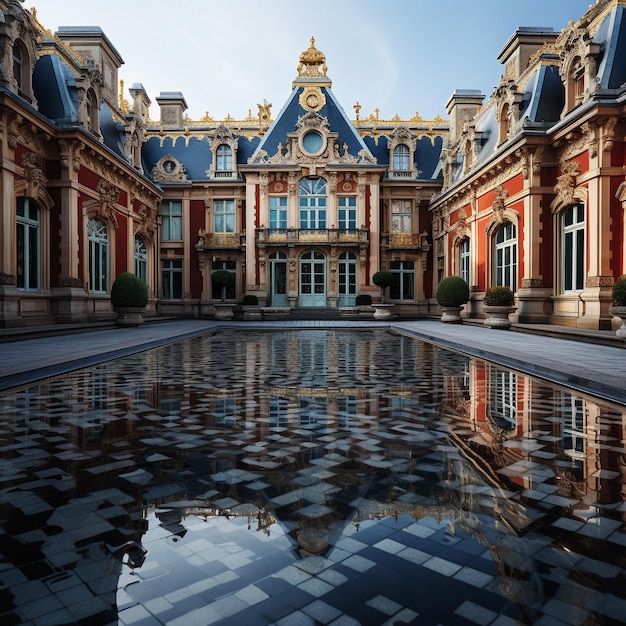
(221, 240)
(336, 236)
(398, 241)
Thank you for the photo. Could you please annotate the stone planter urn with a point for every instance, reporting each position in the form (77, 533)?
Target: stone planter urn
(451, 314)
(223, 311)
(498, 316)
(129, 316)
(383, 311)
(619, 311)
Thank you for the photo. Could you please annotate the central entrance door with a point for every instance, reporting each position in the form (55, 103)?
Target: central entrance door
(312, 279)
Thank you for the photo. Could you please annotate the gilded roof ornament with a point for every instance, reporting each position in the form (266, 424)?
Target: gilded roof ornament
(311, 60)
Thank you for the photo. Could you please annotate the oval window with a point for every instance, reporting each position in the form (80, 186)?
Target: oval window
(312, 142)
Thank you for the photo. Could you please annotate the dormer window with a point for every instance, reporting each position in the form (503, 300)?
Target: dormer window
(92, 111)
(577, 81)
(401, 158)
(224, 154)
(402, 145)
(504, 122)
(18, 65)
(21, 69)
(224, 158)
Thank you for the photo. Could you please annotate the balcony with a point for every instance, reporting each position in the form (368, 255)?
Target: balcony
(295, 236)
(405, 241)
(222, 241)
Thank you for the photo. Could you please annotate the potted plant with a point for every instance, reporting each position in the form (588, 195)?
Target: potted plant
(499, 303)
(452, 295)
(250, 307)
(383, 280)
(129, 297)
(221, 280)
(619, 304)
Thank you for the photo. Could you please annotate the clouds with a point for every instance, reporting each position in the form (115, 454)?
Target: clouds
(403, 57)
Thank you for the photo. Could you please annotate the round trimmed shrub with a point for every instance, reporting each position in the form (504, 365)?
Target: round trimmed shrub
(250, 300)
(452, 291)
(382, 279)
(222, 278)
(619, 291)
(363, 299)
(129, 291)
(499, 296)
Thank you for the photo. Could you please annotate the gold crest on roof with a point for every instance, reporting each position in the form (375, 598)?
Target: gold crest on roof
(311, 60)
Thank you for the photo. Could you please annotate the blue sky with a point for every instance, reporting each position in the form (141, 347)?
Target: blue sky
(226, 57)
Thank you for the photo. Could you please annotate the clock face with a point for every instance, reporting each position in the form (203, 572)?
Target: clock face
(312, 142)
(312, 100)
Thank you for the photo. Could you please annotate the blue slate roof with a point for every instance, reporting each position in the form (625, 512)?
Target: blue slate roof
(287, 120)
(54, 88)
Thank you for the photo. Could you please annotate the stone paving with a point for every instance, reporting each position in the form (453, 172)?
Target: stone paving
(247, 477)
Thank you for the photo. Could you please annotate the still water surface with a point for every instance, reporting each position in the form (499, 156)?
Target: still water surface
(310, 477)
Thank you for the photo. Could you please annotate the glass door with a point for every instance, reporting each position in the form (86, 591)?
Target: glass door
(312, 279)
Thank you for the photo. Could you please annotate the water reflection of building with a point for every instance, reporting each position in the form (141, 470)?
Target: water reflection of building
(310, 433)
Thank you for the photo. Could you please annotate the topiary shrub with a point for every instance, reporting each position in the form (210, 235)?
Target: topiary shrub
(619, 291)
(129, 291)
(383, 280)
(452, 291)
(364, 299)
(221, 279)
(250, 300)
(499, 296)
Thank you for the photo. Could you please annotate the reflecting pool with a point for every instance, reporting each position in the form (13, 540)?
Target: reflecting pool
(310, 477)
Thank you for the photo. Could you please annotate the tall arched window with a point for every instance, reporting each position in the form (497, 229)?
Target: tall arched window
(28, 244)
(505, 266)
(401, 161)
(573, 248)
(141, 259)
(312, 203)
(98, 256)
(224, 158)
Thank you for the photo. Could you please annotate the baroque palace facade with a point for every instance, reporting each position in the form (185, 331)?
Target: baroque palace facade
(526, 188)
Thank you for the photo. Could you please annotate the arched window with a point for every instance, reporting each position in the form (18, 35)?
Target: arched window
(141, 259)
(312, 203)
(98, 256)
(401, 160)
(573, 248)
(464, 260)
(575, 86)
(224, 158)
(505, 253)
(18, 64)
(28, 244)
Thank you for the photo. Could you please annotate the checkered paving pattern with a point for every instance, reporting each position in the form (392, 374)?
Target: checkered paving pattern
(313, 477)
